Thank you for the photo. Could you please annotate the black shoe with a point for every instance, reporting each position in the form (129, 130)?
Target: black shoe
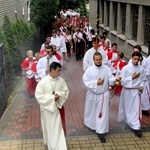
(138, 133)
(144, 112)
(102, 138)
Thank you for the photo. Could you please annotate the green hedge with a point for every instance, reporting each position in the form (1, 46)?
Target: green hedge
(12, 34)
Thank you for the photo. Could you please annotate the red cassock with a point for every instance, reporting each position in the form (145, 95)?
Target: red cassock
(34, 70)
(119, 64)
(30, 80)
(107, 49)
(43, 52)
(110, 54)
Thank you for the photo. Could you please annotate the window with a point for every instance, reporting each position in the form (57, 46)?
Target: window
(147, 26)
(115, 9)
(108, 12)
(123, 16)
(102, 7)
(134, 21)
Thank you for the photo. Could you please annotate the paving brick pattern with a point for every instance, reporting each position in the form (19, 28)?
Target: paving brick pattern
(126, 141)
(22, 118)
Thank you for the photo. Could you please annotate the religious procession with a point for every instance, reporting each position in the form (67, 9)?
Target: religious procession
(105, 70)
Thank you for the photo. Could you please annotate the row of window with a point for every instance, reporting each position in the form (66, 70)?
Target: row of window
(134, 18)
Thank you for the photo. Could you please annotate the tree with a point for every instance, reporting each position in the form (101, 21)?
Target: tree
(82, 8)
(8, 31)
(43, 12)
(11, 71)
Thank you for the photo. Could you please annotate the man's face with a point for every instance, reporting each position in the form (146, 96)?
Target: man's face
(30, 54)
(135, 60)
(95, 44)
(97, 60)
(106, 44)
(56, 72)
(48, 39)
(103, 40)
(114, 48)
(58, 33)
(54, 34)
(49, 51)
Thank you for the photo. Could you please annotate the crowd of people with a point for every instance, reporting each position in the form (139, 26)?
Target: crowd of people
(104, 68)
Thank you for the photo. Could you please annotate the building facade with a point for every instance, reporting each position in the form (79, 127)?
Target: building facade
(15, 9)
(126, 21)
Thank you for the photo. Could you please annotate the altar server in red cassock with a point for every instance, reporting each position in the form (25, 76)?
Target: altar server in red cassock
(118, 65)
(27, 72)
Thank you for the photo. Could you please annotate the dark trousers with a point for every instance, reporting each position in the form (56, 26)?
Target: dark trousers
(78, 50)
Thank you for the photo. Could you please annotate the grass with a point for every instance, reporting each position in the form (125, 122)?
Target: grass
(16, 84)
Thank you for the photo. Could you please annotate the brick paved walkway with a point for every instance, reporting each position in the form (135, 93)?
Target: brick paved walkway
(126, 141)
(22, 119)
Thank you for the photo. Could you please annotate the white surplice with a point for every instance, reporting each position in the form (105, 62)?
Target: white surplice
(63, 44)
(88, 57)
(130, 101)
(42, 65)
(53, 132)
(58, 43)
(96, 96)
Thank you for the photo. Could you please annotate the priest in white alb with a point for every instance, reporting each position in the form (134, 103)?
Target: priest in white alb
(44, 62)
(88, 57)
(97, 79)
(51, 94)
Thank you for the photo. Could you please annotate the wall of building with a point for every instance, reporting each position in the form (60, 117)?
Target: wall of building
(15, 9)
(127, 27)
(93, 12)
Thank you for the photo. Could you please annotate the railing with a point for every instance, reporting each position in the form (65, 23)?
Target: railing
(3, 80)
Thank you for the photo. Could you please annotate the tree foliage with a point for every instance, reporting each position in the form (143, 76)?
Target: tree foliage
(9, 33)
(43, 12)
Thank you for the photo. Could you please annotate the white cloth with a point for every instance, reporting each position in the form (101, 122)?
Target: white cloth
(78, 34)
(42, 65)
(145, 96)
(130, 105)
(90, 36)
(42, 46)
(53, 132)
(56, 41)
(111, 63)
(95, 96)
(88, 57)
(107, 40)
(88, 28)
(63, 44)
